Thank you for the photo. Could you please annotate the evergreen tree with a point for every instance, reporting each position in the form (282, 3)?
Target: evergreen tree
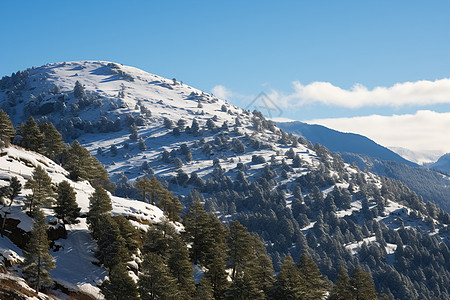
(66, 204)
(99, 204)
(181, 267)
(120, 286)
(362, 285)
(244, 287)
(53, 142)
(152, 186)
(204, 290)
(7, 131)
(155, 280)
(32, 137)
(37, 260)
(129, 233)
(197, 229)
(288, 283)
(41, 186)
(78, 90)
(240, 251)
(342, 290)
(82, 165)
(111, 245)
(316, 285)
(261, 268)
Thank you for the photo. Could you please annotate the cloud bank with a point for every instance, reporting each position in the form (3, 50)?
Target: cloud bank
(423, 131)
(418, 93)
(401, 94)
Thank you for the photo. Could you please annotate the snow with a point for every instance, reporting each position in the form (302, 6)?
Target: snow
(75, 261)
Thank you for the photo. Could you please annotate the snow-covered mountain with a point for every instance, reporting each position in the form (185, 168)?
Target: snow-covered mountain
(442, 164)
(277, 185)
(341, 142)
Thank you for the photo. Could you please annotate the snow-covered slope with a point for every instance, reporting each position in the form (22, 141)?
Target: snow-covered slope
(74, 256)
(442, 164)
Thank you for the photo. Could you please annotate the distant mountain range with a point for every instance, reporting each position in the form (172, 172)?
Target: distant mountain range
(429, 182)
(342, 142)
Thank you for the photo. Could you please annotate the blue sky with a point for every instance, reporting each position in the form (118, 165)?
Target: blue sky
(241, 48)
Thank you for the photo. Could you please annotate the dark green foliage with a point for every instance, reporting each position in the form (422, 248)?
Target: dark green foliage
(82, 165)
(204, 290)
(99, 205)
(37, 260)
(120, 286)
(207, 236)
(342, 290)
(32, 137)
(41, 186)
(53, 142)
(7, 131)
(289, 282)
(155, 280)
(151, 186)
(244, 287)
(315, 284)
(130, 234)
(66, 204)
(362, 285)
(111, 245)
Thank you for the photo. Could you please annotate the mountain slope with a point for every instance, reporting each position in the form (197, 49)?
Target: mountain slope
(298, 198)
(75, 262)
(442, 164)
(342, 142)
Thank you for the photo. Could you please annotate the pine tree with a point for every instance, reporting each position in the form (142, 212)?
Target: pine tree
(78, 90)
(342, 290)
(204, 290)
(37, 260)
(240, 250)
(7, 131)
(170, 204)
(66, 204)
(288, 283)
(81, 165)
(120, 286)
(260, 267)
(152, 186)
(197, 229)
(111, 245)
(244, 287)
(155, 280)
(53, 142)
(180, 266)
(362, 285)
(129, 233)
(32, 137)
(316, 285)
(99, 204)
(41, 186)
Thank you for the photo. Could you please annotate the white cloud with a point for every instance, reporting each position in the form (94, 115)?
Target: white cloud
(401, 94)
(423, 131)
(222, 92)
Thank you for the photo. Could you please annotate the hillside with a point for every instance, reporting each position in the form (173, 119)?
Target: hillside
(74, 255)
(298, 198)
